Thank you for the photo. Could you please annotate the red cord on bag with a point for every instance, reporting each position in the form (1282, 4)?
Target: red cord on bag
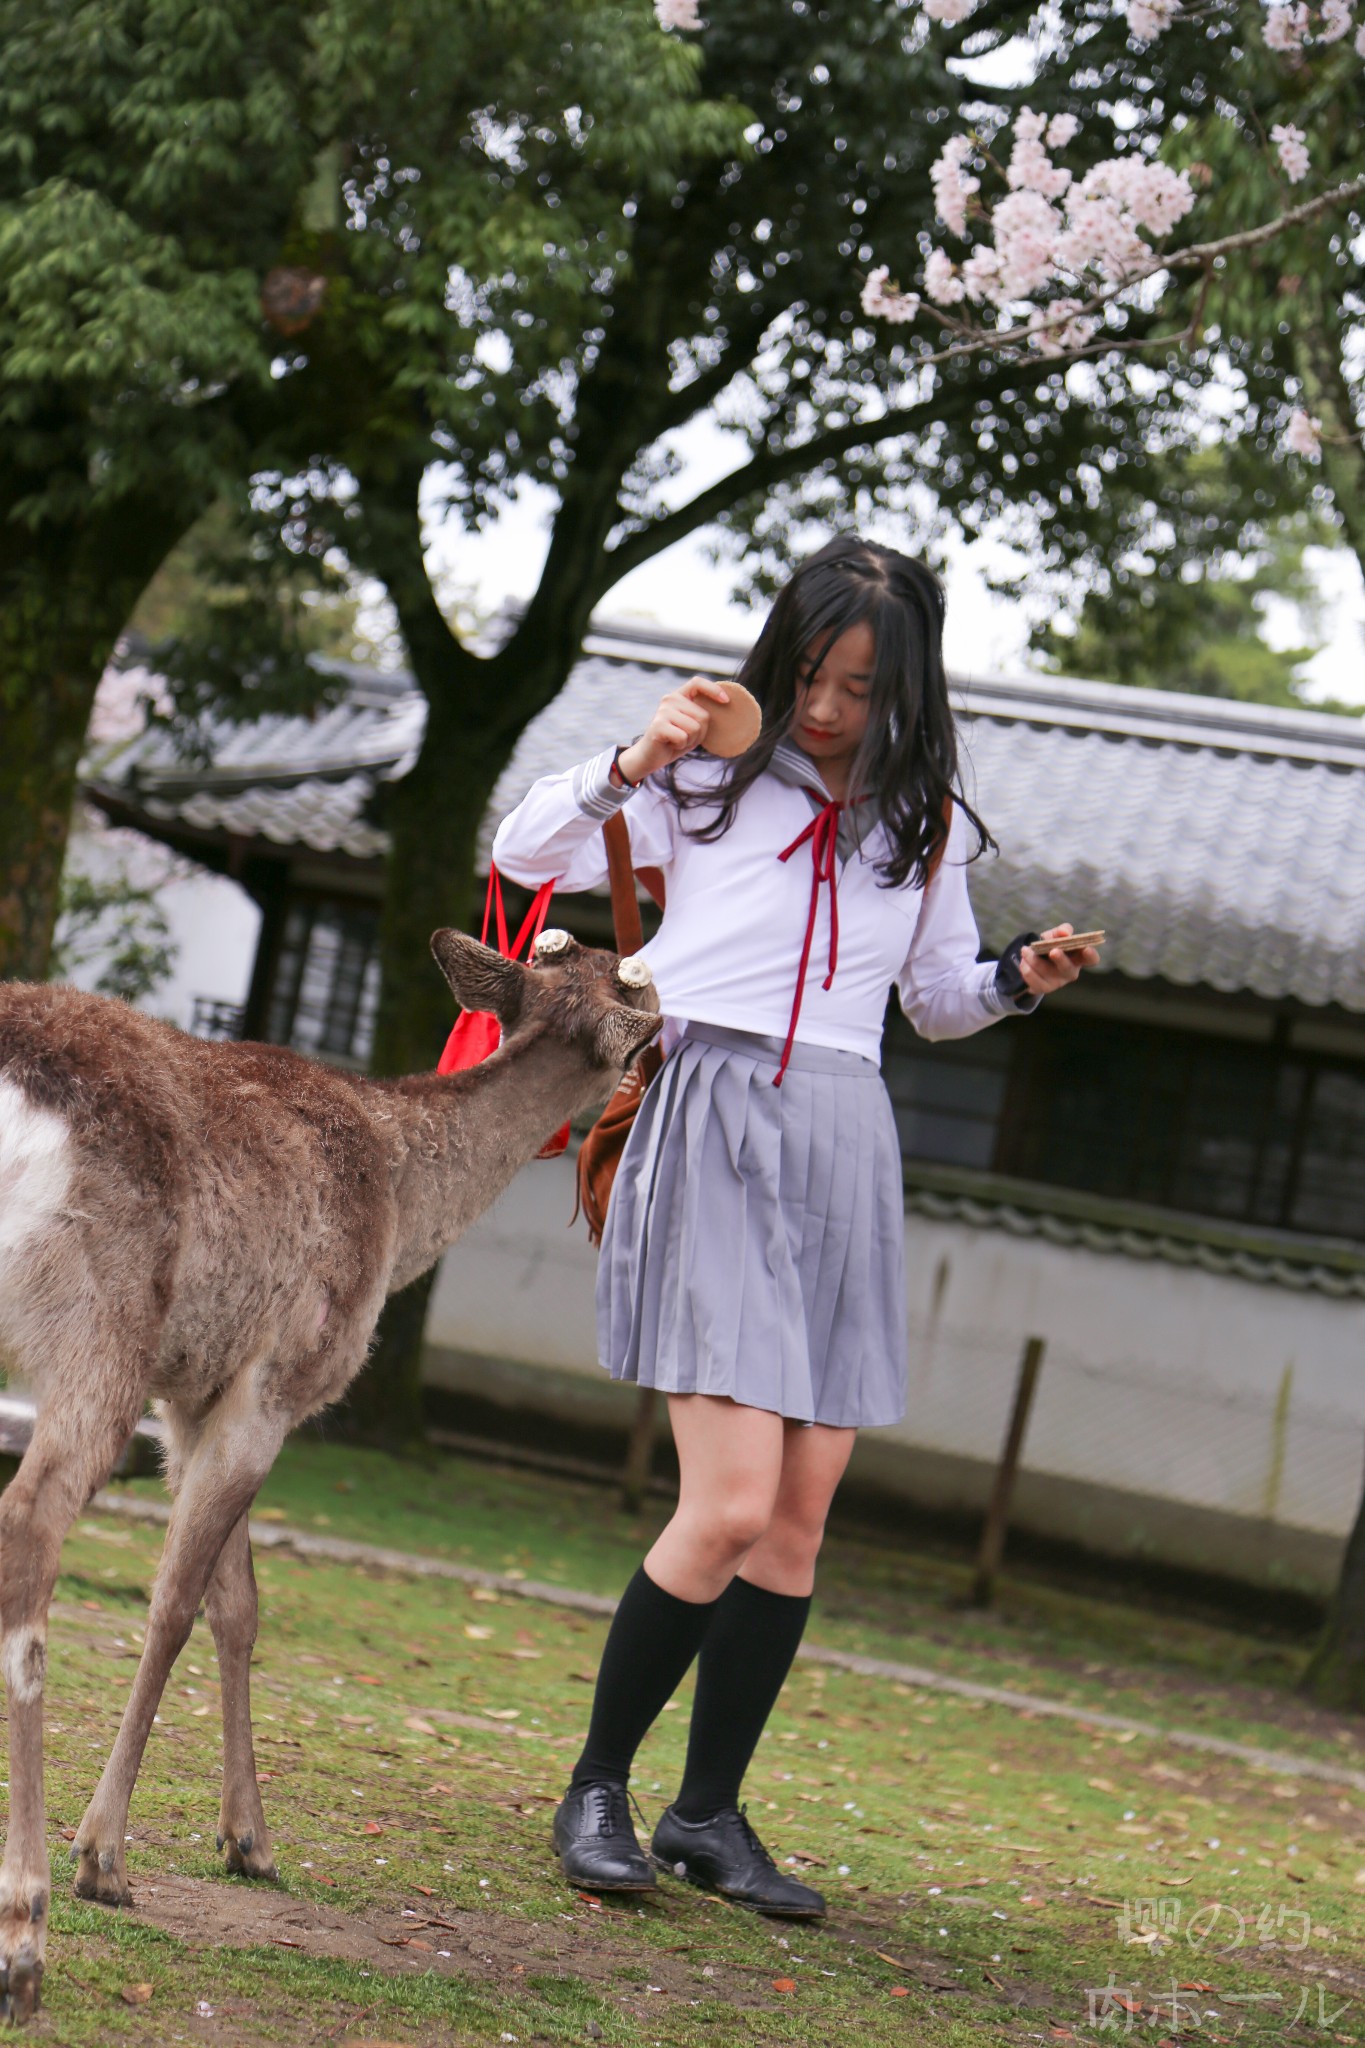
(477, 1034)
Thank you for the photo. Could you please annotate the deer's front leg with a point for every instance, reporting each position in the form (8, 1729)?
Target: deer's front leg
(69, 1455)
(231, 1605)
(221, 1474)
(24, 1876)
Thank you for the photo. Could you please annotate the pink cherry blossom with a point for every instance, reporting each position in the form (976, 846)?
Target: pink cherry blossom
(941, 281)
(953, 188)
(1026, 234)
(1064, 331)
(949, 11)
(678, 14)
(1303, 436)
(1149, 19)
(981, 274)
(883, 300)
(1030, 168)
(1290, 145)
(1154, 195)
(1286, 26)
(1061, 129)
(1336, 20)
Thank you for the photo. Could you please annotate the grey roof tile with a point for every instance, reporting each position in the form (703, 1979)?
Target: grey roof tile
(1219, 844)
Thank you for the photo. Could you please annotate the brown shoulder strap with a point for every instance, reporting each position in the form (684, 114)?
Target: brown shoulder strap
(625, 904)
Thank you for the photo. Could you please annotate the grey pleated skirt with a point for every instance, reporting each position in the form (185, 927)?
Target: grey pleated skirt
(754, 1243)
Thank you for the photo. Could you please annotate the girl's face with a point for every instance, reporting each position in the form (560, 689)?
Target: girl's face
(831, 711)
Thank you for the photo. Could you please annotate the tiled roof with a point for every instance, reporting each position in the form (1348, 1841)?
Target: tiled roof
(1219, 844)
(1066, 1216)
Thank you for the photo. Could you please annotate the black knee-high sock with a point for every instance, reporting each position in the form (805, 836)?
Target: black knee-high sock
(652, 1641)
(745, 1657)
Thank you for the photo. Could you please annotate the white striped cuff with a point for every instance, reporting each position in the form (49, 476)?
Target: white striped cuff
(998, 1004)
(593, 789)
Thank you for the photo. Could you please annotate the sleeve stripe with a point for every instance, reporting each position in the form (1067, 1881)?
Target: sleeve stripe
(593, 790)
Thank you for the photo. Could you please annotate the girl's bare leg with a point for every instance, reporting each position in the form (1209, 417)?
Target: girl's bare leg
(814, 1460)
(731, 1462)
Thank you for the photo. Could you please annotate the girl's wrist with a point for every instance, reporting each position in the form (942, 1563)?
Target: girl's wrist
(627, 770)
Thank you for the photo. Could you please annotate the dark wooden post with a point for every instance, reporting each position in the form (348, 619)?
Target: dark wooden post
(639, 1450)
(997, 1514)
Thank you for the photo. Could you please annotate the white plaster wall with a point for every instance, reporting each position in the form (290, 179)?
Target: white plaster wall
(214, 923)
(1222, 1393)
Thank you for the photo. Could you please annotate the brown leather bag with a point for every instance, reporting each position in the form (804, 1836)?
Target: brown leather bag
(600, 1153)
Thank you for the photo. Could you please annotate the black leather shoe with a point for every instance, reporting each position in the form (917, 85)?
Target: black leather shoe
(723, 1854)
(595, 1841)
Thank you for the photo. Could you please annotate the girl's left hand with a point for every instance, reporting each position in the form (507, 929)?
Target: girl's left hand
(1046, 972)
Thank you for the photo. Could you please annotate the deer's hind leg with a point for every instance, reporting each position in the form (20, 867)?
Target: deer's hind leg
(75, 1442)
(231, 1606)
(222, 1460)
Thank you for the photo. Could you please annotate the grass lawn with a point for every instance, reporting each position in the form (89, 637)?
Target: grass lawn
(986, 1871)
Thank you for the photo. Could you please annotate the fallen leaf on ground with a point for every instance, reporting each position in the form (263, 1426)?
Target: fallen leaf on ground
(425, 1890)
(900, 1991)
(418, 1725)
(477, 1634)
(372, 1827)
(283, 1941)
(503, 1713)
(361, 1679)
(270, 1515)
(136, 1994)
(784, 1984)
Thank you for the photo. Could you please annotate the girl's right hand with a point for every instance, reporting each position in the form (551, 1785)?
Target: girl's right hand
(676, 728)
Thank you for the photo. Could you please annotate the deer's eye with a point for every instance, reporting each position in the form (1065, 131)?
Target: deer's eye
(634, 972)
(552, 943)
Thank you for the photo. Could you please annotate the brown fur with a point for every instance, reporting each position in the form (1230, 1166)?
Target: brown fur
(220, 1229)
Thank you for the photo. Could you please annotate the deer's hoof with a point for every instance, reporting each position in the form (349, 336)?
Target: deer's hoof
(21, 1984)
(101, 1875)
(247, 1855)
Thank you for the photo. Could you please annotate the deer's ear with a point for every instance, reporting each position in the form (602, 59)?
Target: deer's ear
(623, 1032)
(480, 978)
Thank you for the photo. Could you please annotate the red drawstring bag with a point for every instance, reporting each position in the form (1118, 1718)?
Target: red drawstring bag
(478, 1033)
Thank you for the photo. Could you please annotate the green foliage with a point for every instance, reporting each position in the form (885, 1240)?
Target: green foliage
(1184, 604)
(118, 923)
(235, 618)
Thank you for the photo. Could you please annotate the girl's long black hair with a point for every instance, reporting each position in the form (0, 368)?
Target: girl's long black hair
(908, 759)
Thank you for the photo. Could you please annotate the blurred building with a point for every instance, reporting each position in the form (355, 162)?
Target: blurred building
(1162, 1173)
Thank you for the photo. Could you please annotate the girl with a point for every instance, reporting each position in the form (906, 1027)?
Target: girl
(752, 1262)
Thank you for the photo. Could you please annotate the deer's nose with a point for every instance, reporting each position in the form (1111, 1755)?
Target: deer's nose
(634, 972)
(552, 942)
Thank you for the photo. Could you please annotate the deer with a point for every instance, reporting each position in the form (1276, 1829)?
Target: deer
(214, 1228)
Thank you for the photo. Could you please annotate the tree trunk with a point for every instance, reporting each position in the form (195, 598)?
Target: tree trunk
(1335, 1676)
(44, 712)
(1318, 340)
(64, 599)
(477, 710)
(433, 818)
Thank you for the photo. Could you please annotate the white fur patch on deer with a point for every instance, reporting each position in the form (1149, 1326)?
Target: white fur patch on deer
(35, 1167)
(24, 1662)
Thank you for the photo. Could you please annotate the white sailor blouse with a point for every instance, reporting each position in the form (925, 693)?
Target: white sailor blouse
(781, 926)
